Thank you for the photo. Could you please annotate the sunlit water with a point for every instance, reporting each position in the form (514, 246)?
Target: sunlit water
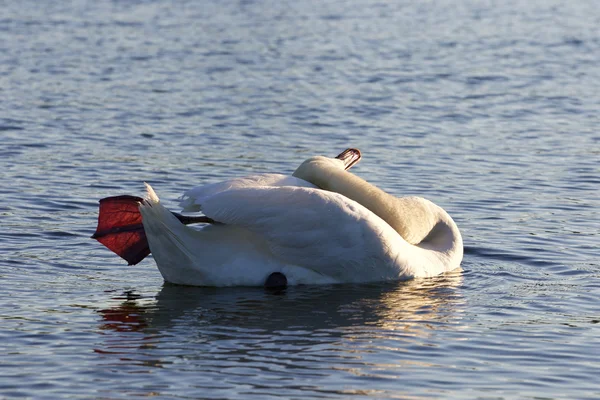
(490, 109)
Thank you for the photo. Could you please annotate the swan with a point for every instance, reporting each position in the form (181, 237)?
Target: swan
(322, 225)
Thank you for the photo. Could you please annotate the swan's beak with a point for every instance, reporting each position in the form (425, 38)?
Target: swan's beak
(349, 157)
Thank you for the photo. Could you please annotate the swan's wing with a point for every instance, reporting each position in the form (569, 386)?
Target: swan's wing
(316, 229)
(191, 201)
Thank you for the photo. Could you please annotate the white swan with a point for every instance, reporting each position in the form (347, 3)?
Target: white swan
(322, 225)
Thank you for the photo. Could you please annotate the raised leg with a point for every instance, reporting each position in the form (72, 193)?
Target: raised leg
(120, 227)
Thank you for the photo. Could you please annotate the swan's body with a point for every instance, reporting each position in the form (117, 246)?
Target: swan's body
(322, 225)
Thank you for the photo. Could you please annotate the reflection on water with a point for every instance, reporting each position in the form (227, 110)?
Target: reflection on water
(127, 320)
(208, 321)
(127, 317)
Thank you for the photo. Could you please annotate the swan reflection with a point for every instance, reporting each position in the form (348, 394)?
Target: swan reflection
(247, 318)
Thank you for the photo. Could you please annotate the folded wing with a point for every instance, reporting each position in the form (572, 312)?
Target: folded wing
(191, 201)
(316, 229)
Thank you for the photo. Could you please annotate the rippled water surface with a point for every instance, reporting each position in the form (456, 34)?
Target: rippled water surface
(488, 108)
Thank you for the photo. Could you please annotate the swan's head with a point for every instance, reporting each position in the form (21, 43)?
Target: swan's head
(318, 169)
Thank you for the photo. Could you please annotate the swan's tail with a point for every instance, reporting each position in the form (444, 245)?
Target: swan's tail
(170, 240)
(214, 255)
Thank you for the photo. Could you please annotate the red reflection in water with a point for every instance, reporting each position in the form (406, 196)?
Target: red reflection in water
(127, 317)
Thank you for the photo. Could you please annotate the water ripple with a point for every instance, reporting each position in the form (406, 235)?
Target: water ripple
(491, 112)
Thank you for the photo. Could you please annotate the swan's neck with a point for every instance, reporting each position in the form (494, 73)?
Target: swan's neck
(414, 218)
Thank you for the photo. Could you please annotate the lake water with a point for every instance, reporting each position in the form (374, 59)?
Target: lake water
(488, 108)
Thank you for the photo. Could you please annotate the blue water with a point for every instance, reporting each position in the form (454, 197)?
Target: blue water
(489, 109)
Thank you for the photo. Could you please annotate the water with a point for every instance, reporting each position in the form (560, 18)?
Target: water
(490, 109)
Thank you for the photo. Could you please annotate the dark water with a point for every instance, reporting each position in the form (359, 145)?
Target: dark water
(488, 108)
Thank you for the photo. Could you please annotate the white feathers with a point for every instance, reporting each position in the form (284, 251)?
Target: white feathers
(276, 223)
(151, 194)
(191, 200)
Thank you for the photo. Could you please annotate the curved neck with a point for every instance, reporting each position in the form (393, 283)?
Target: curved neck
(414, 218)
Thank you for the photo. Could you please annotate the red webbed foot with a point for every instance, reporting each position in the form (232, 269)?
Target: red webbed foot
(120, 228)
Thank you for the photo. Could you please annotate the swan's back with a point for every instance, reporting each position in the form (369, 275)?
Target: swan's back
(191, 201)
